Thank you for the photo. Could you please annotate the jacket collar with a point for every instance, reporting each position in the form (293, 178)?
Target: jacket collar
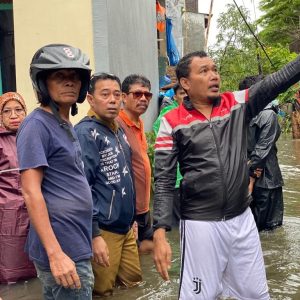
(112, 125)
(4, 131)
(128, 122)
(189, 105)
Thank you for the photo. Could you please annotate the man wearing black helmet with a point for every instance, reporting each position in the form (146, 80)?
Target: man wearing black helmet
(55, 189)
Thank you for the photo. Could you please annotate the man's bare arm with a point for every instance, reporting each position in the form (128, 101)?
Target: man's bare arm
(162, 253)
(62, 267)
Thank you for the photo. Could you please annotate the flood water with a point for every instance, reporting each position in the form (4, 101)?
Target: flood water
(281, 249)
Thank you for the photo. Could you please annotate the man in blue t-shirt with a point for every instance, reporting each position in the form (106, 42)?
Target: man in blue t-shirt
(54, 185)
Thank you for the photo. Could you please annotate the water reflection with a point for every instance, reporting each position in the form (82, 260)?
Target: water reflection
(281, 249)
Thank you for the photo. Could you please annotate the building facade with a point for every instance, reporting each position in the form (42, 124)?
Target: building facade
(118, 38)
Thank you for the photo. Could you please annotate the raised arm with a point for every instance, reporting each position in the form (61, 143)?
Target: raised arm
(263, 92)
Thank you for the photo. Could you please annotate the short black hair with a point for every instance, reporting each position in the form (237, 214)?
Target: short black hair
(102, 76)
(176, 87)
(135, 79)
(183, 66)
(249, 80)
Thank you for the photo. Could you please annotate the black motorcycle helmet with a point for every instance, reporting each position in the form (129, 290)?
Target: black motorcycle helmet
(54, 57)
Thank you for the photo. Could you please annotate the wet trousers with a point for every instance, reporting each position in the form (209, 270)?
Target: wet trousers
(53, 291)
(124, 262)
(267, 207)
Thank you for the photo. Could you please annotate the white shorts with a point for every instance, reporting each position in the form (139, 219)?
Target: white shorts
(222, 259)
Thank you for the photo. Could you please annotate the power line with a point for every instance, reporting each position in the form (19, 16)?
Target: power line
(208, 23)
(254, 35)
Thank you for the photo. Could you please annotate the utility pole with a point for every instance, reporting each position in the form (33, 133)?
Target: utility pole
(208, 22)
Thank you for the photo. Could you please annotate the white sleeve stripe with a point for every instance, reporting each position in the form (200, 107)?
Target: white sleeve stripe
(240, 96)
(165, 129)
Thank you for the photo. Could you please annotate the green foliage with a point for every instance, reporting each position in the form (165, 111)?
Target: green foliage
(280, 56)
(285, 124)
(288, 95)
(151, 142)
(280, 27)
(150, 136)
(235, 50)
(281, 21)
(238, 54)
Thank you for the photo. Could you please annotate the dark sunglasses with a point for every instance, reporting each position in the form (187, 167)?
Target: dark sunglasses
(138, 95)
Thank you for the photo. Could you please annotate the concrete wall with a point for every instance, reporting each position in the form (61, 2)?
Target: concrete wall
(118, 37)
(191, 5)
(193, 32)
(125, 42)
(41, 22)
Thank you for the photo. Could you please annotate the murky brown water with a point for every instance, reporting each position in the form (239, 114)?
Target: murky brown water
(281, 249)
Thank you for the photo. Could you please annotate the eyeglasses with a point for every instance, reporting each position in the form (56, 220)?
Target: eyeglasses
(8, 112)
(139, 94)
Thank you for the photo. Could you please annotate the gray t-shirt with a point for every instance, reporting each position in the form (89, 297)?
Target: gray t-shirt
(41, 142)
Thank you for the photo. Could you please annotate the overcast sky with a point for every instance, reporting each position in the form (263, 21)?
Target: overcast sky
(219, 7)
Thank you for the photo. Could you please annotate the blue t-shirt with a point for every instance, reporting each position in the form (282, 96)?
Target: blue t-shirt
(41, 142)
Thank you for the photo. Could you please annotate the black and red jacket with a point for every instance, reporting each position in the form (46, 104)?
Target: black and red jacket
(212, 154)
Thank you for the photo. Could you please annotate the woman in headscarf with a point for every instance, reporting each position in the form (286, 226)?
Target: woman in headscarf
(14, 220)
